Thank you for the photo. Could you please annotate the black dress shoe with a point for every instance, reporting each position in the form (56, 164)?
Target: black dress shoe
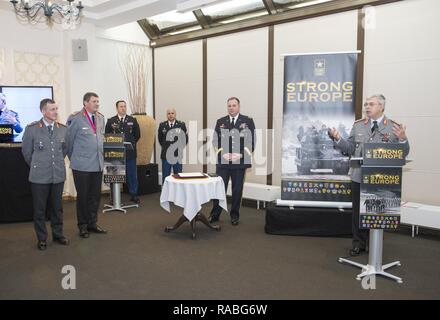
(42, 245)
(356, 251)
(83, 233)
(234, 222)
(212, 218)
(62, 240)
(135, 199)
(97, 229)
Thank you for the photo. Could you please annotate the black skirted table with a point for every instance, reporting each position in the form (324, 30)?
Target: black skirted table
(302, 221)
(15, 189)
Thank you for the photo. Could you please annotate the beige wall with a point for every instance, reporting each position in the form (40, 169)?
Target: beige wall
(179, 84)
(402, 61)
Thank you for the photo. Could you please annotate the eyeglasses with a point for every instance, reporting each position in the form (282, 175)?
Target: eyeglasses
(371, 104)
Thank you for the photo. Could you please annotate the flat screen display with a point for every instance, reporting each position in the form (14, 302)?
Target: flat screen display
(23, 104)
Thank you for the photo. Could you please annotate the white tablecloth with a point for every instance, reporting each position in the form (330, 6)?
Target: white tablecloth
(190, 194)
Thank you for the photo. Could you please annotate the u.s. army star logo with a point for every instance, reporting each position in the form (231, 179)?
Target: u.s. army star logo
(319, 67)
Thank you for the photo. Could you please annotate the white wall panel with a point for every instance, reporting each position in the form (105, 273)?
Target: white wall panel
(402, 61)
(179, 84)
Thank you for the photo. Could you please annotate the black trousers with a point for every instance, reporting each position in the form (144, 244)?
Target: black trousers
(47, 198)
(88, 189)
(360, 236)
(237, 178)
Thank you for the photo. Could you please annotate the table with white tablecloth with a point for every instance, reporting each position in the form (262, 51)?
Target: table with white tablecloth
(190, 194)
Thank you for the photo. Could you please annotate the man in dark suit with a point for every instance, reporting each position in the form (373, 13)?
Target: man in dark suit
(85, 149)
(234, 144)
(173, 137)
(44, 150)
(128, 125)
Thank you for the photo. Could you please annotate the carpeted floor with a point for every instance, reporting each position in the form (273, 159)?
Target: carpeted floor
(138, 260)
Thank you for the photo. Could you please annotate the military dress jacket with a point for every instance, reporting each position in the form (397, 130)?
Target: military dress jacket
(175, 138)
(360, 134)
(44, 152)
(130, 128)
(239, 138)
(85, 145)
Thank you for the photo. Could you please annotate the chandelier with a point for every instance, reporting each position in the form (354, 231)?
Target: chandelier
(36, 11)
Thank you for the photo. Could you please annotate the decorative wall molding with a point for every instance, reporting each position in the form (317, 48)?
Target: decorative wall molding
(38, 70)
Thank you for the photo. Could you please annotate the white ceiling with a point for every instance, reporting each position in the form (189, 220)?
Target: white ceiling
(111, 13)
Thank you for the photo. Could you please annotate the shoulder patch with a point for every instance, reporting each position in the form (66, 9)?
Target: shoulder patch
(359, 120)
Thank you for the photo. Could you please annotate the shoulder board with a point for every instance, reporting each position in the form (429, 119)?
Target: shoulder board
(99, 113)
(73, 115)
(393, 122)
(60, 124)
(33, 123)
(361, 120)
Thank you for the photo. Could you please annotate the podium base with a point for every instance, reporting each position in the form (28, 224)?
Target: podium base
(374, 266)
(120, 208)
(117, 206)
(369, 270)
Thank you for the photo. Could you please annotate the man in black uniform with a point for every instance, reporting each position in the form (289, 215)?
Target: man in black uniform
(128, 125)
(173, 137)
(234, 143)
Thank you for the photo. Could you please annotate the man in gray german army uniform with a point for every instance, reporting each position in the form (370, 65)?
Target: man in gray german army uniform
(44, 150)
(85, 149)
(375, 127)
